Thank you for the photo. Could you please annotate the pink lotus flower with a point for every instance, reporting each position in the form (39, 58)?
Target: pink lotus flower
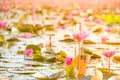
(29, 65)
(69, 60)
(109, 29)
(7, 15)
(69, 17)
(3, 24)
(80, 36)
(5, 7)
(99, 21)
(109, 53)
(34, 16)
(62, 27)
(104, 39)
(28, 52)
(74, 12)
(34, 9)
(88, 20)
(26, 35)
(54, 17)
(118, 13)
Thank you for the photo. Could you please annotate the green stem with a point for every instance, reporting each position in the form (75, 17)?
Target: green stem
(79, 56)
(75, 50)
(81, 44)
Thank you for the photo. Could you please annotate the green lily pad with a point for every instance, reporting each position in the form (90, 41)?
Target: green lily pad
(13, 40)
(2, 40)
(20, 52)
(49, 51)
(67, 40)
(49, 28)
(61, 56)
(26, 28)
(33, 47)
(39, 58)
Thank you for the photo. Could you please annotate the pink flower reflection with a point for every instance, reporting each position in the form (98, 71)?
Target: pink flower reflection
(108, 53)
(28, 52)
(69, 60)
(109, 29)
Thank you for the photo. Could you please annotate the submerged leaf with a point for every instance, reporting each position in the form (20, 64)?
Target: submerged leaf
(114, 78)
(106, 75)
(82, 66)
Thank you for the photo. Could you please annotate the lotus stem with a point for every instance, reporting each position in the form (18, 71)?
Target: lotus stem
(75, 50)
(108, 64)
(79, 56)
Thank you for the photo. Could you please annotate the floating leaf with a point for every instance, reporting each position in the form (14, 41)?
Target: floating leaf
(33, 47)
(2, 40)
(67, 40)
(94, 56)
(87, 51)
(13, 40)
(61, 56)
(116, 59)
(26, 28)
(98, 30)
(70, 72)
(88, 42)
(51, 59)
(62, 53)
(49, 51)
(20, 52)
(39, 58)
(49, 28)
(97, 75)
